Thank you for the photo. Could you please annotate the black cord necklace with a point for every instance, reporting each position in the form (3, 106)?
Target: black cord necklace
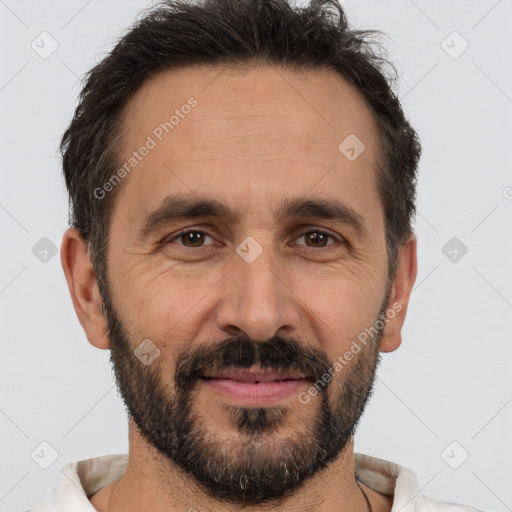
(368, 504)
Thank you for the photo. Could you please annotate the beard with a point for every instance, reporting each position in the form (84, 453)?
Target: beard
(268, 453)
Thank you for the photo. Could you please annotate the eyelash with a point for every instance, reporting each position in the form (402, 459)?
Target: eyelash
(191, 230)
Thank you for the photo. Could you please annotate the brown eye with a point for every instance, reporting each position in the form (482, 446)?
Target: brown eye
(191, 238)
(316, 238)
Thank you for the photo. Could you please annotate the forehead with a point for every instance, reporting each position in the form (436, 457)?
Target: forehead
(260, 130)
(315, 105)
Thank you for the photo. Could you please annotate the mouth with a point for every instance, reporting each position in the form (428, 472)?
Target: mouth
(255, 386)
(256, 375)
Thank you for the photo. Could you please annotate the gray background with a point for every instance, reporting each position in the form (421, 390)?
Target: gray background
(450, 380)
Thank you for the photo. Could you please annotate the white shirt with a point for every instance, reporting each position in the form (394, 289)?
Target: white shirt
(80, 480)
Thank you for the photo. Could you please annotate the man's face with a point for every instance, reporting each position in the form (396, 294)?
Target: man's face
(251, 290)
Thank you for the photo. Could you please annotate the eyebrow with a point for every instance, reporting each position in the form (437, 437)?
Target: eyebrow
(179, 207)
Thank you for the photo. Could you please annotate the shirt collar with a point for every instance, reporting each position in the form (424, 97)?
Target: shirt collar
(80, 480)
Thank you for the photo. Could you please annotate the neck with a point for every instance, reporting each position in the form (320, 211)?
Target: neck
(152, 483)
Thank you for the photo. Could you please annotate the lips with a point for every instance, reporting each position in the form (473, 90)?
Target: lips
(255, 386)
(256, 375)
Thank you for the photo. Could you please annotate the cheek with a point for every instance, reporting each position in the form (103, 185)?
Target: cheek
(168, 307)
(339, 308)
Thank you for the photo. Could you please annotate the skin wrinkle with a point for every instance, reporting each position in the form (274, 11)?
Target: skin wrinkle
(318, 299)
(217, 225)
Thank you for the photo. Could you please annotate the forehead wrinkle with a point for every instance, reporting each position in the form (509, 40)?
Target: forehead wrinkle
(269, 135)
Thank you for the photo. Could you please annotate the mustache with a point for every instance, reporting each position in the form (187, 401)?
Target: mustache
(277, 353)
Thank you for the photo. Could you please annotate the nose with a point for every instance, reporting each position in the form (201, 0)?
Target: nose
(258, 300)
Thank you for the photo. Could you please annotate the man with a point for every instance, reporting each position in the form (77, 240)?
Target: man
(242, 184)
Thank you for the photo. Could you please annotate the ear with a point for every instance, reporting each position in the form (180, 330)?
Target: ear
(83, 288)
(403, 282)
